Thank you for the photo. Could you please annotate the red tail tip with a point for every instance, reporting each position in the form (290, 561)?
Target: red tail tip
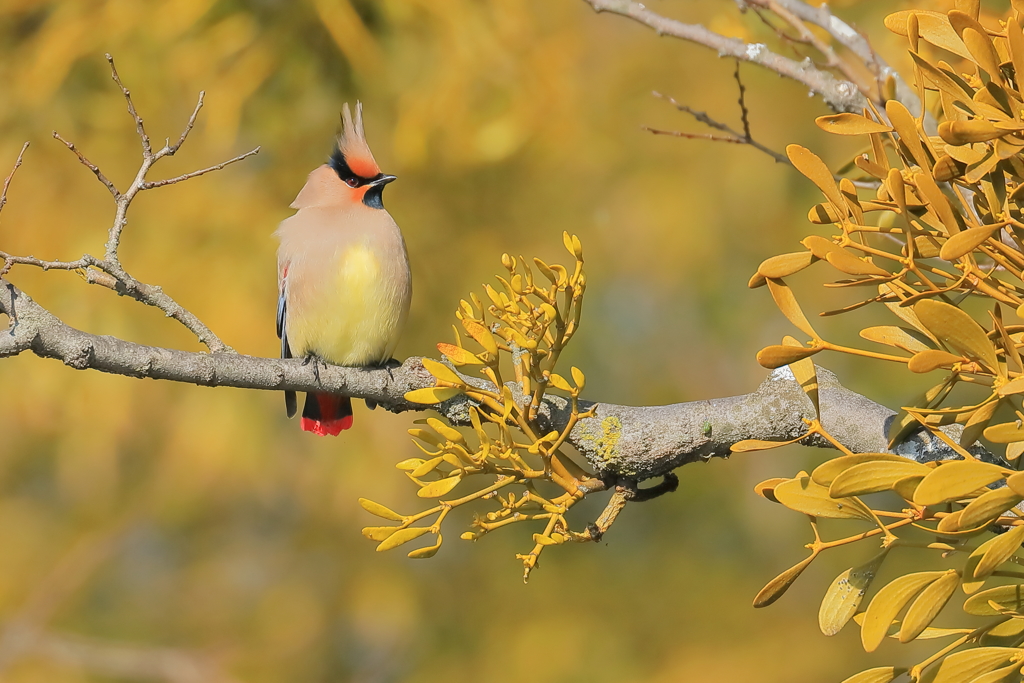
(327, 427)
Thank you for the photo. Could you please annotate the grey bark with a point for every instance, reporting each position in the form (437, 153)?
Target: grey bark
(632, 442)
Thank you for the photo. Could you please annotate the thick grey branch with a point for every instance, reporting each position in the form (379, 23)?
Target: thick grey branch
(633, 442)
(840, 95)
(852, 40)
(643, 442)
(35, 329)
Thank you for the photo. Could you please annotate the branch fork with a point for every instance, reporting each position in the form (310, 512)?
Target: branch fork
(108, 271)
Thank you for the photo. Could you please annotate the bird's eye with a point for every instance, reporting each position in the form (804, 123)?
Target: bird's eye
(352, 182)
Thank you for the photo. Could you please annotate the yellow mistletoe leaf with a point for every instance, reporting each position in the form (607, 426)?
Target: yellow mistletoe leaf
(766, 489)
(1012, 387)
(958, 329)
(378, 533)
(825, 473)
(954, 480)
(784, 265)
(1016, 483)
(431, 395)
(933, 27)
(750, 445)
(425, 552)
(427, 467)
(481, 335)
(967, 132)
(989, 506)
(578, 377)
(844, 596)
(442, 372)
(808, 163)
(410, 464)
(786, 303)
(458, 355)
(872, 477)
(1006, 598)
(781, 583)
(772, 357)
(379, 510)
(996, 551)
(899, 337)
(436, 489)
(881, 674)
(932, 359)
(444, 430)
(401, 536)
(850, 124)
(888, 602)
(970, 664)
(928, 605)
(805, 374)
(1007, 432)
(965, 242)
(803, 495)
(906, 127)
(558, 382)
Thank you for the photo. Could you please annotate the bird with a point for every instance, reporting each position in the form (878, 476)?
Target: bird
(344, 280)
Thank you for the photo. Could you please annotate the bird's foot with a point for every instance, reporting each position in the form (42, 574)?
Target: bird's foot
(315, 360)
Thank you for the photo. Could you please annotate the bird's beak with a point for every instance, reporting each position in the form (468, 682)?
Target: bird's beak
(382, 181)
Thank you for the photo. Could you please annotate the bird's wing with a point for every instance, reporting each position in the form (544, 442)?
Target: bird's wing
(290, 403)
(282, 313)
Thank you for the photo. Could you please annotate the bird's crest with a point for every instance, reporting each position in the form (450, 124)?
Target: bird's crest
(352, 144)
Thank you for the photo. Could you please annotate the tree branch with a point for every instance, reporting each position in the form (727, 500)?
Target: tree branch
(108, 271)
(850, 38)
(732, 136)
(10, 176)
(636, 443)
(840, 95)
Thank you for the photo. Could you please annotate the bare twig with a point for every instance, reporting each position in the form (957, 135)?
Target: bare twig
(140, 128)
(10, 176)
(744, 114)
(695, 136)
(188, 126)
(108, 271)
(91, 166)
(791, 41)
(11, 260)
(734, 136)
(149, 185)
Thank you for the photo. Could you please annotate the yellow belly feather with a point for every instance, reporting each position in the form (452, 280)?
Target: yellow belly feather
(354, 319)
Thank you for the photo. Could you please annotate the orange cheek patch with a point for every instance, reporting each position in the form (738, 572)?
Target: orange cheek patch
(362, 166)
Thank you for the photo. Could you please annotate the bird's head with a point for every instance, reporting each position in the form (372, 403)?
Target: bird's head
(353, 162)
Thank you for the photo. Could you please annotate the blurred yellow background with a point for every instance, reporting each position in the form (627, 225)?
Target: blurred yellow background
(154, 516)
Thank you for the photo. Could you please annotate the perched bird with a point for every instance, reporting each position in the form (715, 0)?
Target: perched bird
(343, 273)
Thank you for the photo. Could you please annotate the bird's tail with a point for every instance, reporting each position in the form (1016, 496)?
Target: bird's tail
(326, 414)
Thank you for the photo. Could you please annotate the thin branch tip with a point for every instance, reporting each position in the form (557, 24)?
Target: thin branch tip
(10, 176)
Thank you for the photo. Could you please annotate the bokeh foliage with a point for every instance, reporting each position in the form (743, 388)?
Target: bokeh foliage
(939, 245)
